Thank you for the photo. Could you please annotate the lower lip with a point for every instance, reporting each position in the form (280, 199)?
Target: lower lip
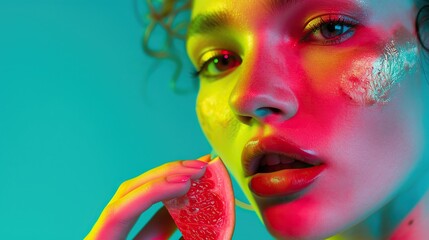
(284, 182)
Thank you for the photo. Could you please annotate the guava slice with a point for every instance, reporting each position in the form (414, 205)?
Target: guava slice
(207, 211)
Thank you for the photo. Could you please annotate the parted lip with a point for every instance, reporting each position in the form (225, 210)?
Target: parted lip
(258, 147)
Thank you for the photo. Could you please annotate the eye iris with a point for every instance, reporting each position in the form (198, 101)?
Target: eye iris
(332, 30)
(225, 62)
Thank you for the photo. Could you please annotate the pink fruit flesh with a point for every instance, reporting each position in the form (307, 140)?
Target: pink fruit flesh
(207, 210)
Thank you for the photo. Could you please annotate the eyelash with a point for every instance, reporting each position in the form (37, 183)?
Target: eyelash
(197, 73)
(332, 20)
(214, 55)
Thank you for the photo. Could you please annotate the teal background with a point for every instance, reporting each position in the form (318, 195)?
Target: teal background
(78, 116)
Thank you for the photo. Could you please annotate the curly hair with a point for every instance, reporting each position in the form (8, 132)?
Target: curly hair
(164, 14)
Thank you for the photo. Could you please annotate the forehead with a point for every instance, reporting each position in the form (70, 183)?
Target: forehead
(250, 12)
(204, 5)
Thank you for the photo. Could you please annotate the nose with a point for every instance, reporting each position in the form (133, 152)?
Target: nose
(264, 95)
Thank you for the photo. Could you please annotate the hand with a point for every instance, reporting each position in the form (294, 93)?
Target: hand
(136, 195)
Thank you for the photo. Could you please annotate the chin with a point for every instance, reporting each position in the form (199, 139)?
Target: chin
(301, 219)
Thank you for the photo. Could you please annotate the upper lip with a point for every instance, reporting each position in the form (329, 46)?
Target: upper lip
(257, 147)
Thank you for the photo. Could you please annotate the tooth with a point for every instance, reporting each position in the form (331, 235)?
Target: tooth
(272, 159)
(286, 160)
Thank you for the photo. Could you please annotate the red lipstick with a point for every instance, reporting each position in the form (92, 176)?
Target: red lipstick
(278, 167)
(284, 182)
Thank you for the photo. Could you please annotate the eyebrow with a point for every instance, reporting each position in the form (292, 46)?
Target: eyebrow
(275, 5)
(210, 22)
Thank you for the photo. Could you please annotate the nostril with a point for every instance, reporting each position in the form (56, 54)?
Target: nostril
(262, 112)
(244, 119)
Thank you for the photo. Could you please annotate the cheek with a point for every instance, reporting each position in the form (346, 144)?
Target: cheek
(321, 67)
(371, 79)
(366, 69)
(214, 116)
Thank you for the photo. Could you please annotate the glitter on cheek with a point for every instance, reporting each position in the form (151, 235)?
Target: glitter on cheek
(371, 80)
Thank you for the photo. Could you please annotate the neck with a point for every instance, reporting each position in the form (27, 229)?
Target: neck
(406, 216)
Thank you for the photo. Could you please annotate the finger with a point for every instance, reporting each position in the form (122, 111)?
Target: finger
(120, 216)
(193, 168)
(160, 226)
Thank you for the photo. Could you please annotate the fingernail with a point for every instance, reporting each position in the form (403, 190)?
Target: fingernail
(177, 178)
(194, 164)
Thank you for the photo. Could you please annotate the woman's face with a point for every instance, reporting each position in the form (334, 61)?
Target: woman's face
(314, 106)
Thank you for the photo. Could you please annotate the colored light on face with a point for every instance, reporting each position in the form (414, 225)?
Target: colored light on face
(213, 116)
(314, 85)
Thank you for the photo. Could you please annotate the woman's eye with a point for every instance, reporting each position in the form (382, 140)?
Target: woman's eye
(329, 30)
(218, 63)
